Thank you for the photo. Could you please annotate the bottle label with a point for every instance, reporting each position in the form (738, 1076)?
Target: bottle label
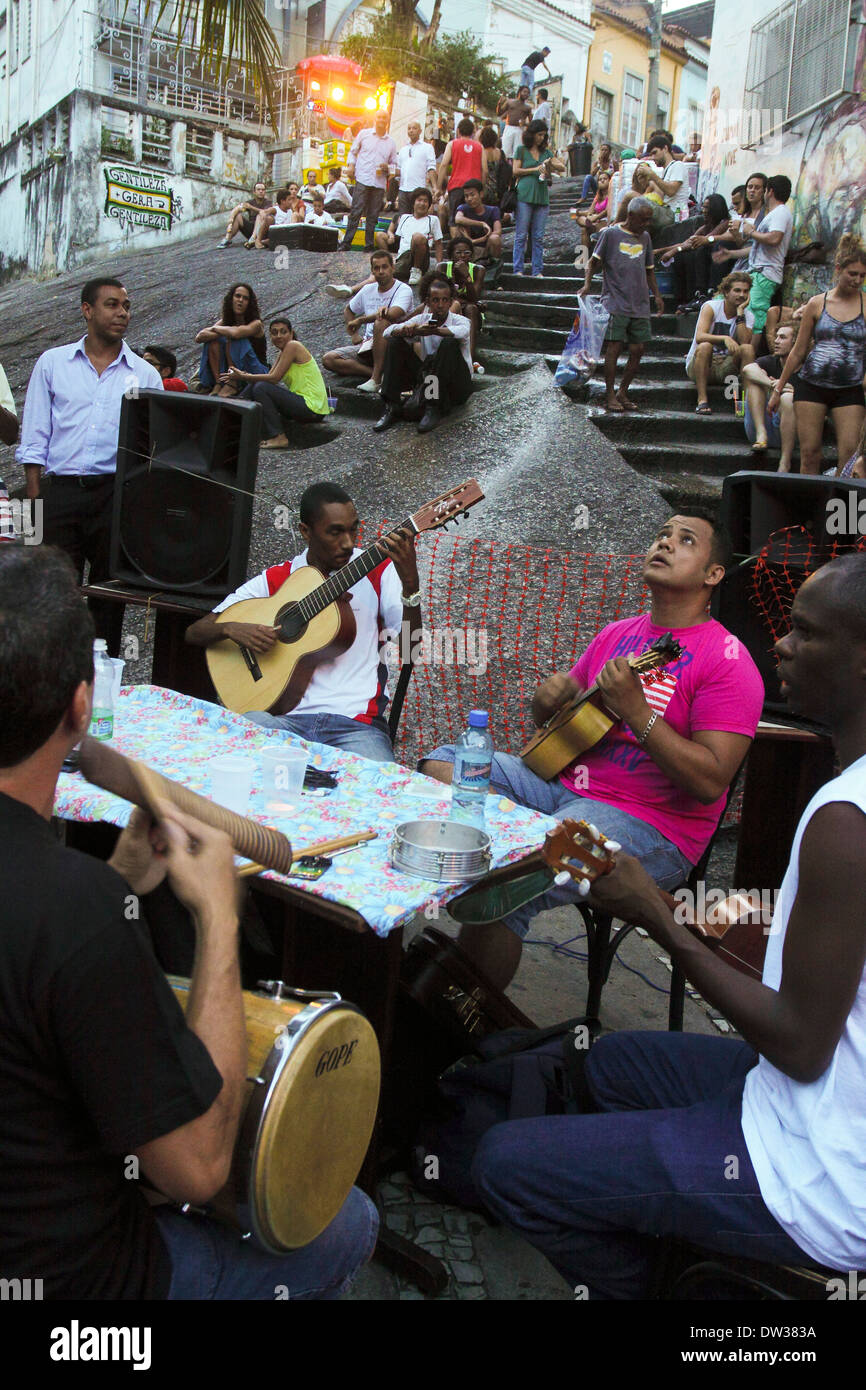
(473, 776)
(102, 725)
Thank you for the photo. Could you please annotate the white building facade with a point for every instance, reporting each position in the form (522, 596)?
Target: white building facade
(111, 133)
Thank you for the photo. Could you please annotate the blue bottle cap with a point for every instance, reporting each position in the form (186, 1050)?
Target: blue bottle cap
(478, 719)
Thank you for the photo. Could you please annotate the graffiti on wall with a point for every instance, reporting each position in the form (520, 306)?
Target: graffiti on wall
(139, 198)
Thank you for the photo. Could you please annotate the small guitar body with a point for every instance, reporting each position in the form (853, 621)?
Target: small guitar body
(277, 679)
(583, 722)
(568, 734)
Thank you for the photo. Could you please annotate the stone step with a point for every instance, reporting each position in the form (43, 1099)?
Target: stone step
(498, 362)
(365, 405)
(706, 458)
(660, 424)
(519, 332)
(686, 490)
(555, 311)
(658, 372)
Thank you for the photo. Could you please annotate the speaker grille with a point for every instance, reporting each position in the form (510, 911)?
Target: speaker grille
(177, 529)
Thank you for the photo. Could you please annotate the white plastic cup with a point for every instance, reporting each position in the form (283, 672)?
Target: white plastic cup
(231, 781)
(283, 772)
(118, 663)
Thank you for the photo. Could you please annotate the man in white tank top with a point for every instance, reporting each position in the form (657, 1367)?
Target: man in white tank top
(752, 1148)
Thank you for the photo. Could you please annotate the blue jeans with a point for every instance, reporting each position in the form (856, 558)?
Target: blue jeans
(244, 356)
(368, 740)
(589, 186)
(210, 1261)
(666, 1157)
(511, 777)
(527, 77)
(530, 218)
(774, 436)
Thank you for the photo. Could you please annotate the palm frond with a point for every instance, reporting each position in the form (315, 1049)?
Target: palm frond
(230, 31)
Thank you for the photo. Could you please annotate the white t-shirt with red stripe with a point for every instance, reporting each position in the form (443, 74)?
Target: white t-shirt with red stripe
(355, 684)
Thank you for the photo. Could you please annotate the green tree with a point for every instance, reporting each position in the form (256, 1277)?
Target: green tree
(453, 64)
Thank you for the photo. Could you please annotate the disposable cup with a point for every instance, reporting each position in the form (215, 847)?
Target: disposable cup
(118, 663)
(283, 777)
(231, 780)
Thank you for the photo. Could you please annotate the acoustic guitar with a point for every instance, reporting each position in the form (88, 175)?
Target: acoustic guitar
(313, 615)
(582, 721)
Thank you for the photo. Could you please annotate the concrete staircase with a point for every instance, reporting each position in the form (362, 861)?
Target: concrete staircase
(686, 455)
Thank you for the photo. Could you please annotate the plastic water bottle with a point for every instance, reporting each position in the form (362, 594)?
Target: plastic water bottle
(102, 713)
(473, 753)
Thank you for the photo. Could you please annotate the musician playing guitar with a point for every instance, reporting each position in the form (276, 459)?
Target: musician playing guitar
(656, 781)
(102, 1080)
(345, 700)
(753, 1148)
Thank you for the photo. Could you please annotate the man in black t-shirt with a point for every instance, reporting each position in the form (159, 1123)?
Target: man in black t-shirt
(763, 430)
(101, 1076)
(479, 221)
(527, 72)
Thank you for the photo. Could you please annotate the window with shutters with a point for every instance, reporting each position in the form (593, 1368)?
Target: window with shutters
(800, 57)
(156, 142)
(632, 110)
(199, 149)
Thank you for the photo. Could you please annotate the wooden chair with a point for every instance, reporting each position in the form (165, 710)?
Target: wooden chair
(684, 1271)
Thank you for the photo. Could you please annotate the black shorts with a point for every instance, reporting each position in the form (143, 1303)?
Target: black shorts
(833, 397)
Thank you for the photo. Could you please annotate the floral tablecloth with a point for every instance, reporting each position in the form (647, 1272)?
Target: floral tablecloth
(179, 736)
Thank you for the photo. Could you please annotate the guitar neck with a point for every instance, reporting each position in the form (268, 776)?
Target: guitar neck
(347, 577)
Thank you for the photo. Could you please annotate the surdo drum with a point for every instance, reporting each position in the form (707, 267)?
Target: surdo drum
(313, 1089)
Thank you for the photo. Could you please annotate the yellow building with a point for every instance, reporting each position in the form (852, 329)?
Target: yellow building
(617, 79)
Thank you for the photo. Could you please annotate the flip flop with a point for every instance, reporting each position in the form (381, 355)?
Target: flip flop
(758, 447)
(703, 408)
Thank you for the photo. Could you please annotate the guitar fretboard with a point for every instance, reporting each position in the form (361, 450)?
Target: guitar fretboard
(346, 578)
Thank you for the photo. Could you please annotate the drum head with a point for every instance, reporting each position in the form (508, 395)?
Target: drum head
(316, 1127)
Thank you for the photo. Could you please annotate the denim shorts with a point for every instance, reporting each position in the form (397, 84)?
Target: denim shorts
(511, 777)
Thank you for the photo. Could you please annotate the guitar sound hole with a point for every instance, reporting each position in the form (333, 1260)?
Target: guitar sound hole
(292, 623)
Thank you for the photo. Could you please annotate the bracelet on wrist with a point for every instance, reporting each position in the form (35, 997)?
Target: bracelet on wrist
(412, 600)
(642, 738)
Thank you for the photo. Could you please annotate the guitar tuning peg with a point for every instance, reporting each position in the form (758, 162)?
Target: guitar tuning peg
(562, 878)
(583, 887)
(612, 846)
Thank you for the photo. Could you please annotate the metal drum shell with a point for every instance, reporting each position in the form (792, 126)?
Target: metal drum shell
(417, 849)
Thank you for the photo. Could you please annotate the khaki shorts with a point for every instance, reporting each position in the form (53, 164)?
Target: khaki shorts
(720, 367)
(354, 349)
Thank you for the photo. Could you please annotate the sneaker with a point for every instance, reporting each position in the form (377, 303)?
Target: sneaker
(339, 291)
(477, 369)
(414, 275)
(369, 387)
(221, 246)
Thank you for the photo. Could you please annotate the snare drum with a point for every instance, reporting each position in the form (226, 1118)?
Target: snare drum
(313, 1092)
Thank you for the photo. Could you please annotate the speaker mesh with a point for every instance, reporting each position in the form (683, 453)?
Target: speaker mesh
(176, 529)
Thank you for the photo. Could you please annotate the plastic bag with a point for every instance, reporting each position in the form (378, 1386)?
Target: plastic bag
(583, 348)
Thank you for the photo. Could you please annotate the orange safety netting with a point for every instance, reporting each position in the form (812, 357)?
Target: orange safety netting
(790, 555)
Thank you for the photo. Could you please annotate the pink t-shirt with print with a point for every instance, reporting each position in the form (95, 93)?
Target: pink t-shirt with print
(714, 685)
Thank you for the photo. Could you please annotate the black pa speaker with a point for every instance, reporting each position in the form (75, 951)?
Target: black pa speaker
(784, 526)
(186, 471)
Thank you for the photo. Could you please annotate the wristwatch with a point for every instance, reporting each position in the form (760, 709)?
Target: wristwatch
(711, 239)
(412, 600)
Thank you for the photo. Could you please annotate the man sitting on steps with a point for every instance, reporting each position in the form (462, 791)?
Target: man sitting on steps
(372, 307)
(656, 782)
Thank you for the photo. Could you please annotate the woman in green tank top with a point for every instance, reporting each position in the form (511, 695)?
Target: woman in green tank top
(293, 389)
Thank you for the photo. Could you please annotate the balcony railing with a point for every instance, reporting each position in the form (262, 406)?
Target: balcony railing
(148, 66)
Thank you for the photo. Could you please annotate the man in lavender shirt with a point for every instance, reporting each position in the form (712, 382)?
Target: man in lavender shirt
(69, 437)
(372, 158)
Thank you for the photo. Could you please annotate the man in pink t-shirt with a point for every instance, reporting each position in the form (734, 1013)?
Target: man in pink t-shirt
(657, 780)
